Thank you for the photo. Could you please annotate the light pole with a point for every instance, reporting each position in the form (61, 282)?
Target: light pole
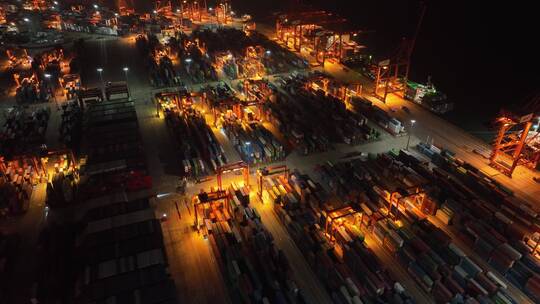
(48, 77)
(126, 69)
(410, 130)
(100, 72)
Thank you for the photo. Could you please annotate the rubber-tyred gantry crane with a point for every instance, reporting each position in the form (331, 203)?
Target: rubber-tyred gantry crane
(223, 11)
(516, 144)
(335, 218)
(233, 167)
(214, 197)
(270, 171)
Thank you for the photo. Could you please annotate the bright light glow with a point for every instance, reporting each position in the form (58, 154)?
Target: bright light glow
(210, 9)
(248, 143)
(26, 20)
(268, 52)
(126, 69)
(116, 14)
(413, 122)
(188, 60)
(55, 2)
(155, 12)
(96, 6)
(164, 214)
(178, 10)
(99, 70)
(47, 75)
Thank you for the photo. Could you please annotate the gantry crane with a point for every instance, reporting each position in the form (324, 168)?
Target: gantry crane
(126, 7)
(164, 7)
(415, 193)
(393, 73)
(223, 11)
(270, 171)
(233, 167)
(515, 143)
(210, 198)
(335, 217)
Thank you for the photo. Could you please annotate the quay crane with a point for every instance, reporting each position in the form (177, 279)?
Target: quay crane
(393, 73)
(516, 144)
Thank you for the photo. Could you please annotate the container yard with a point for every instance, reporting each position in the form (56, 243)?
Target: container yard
(338, 257)
(253, 268)
(241, 116)
(302, 116)
(23, 130)
(199, 150)
(240, 55)
(184, 152)
(415, 208)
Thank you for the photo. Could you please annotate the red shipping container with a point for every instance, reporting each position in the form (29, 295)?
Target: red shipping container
(419, 246)
(486, 283)
(441, 294)
(453, 285)
(516, 231)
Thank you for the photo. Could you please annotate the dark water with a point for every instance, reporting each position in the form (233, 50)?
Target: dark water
(483, 54)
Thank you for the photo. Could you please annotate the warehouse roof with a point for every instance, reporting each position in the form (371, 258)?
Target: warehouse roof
(120, 234)
(119, 220)
(147, 286)
(116, 209)
(118, 249)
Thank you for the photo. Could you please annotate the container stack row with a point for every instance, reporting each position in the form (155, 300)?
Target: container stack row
(17, 183)
(312, 121)
(379, 116)
(160, 66)
(199, 149)
(348, 269)
(487, 217)
(71, 125)
(405, 231)
(236, 52)
(255, 271)
(254, 142)
(23, 130)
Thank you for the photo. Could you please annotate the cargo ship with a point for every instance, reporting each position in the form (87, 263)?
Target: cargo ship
(427, 96)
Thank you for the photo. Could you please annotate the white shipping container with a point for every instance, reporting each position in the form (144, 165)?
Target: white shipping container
(456, 250)
(352, 287)
(345, 294)
(356, 300)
